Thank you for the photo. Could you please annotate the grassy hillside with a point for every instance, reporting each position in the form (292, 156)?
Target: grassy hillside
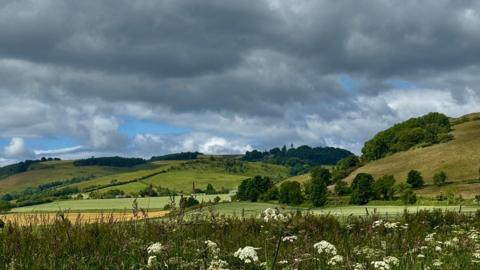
(203, 171)
(45, 172)
(221, 172)
(459, 158)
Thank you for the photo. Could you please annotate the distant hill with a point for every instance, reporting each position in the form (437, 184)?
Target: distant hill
(459, 158)
(178, 156)
(306, 154)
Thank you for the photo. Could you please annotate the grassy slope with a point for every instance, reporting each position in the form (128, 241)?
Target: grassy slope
(52, 171)
(181, 178)
(459, 158)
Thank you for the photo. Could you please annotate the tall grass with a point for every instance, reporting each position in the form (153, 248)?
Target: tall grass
(284, 241)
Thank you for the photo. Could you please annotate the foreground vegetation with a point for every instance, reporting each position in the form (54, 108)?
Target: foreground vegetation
(276, 240)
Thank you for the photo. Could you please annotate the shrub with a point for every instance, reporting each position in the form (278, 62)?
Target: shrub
(320, 178)
(290, 193)
(440, 178)
(362, 189)
(383, 187)
(341, 188)
(186, 202)
(415, 179)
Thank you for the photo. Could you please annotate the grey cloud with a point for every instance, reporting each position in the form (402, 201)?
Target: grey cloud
(260, 73)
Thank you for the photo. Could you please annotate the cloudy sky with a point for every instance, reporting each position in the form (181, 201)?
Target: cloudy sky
(142, 78)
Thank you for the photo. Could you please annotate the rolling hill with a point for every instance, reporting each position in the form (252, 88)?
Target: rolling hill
(458, 158)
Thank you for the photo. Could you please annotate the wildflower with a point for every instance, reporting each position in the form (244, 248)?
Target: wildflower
(283, 262)
(391, 260)
(325, 247)
(380, 265)
(391, 225)
(358, 266)
(155, 248)
(437, 263)
(377, 223)
(213, 248)
(289, 238)
(273, 214)
(476, 255)
(218, 265)
(247, 254)
(438, 248)
(420, 256)
(152, 262)
(430, 237)
(337, 259)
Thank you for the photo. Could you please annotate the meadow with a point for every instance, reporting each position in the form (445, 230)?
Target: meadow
(274, 240)
(108, 205)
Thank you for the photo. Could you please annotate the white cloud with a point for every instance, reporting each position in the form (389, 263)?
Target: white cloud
(17, 149)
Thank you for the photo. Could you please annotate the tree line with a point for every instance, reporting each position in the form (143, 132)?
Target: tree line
(362, 189)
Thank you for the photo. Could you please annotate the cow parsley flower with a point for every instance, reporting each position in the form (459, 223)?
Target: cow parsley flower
(337, 259)
(380, 265)
(218, 265)
(358, 266)
(247, 254)
(437, 263)
(377, 223)
(155, 248)
(324, 247)
(152, 262)
(391, 260)
(289, 238)
(273, 214)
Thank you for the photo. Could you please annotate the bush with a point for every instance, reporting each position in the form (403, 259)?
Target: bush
(320, 178)
(362, 189)
(186, 202)
(5, 206)
(415, 179)
(440, 178)
(290, 193)
(341, 188)
(251, 189)
(408, 196)
(270, 195)
(148, 192)
(210, 190)
(383, 187)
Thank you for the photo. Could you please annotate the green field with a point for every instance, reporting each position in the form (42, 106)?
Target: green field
(459, 158)
(255, 209)
(152, 203)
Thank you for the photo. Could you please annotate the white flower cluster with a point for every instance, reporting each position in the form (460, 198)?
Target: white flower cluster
(247, 254)
(386, 264)
(152, 262)
(213, 248)
(290, 239)
(337, 259)
(377, 223)
(273, 214)
(218, 265)
(324, 247)
(155, 248)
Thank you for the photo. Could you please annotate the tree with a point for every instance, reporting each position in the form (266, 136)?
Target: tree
(415, 179)
(341, 188)
(271, 194)
(186, 202)
(5, 206)
(362, 189)
(383, 187)
(148, 192)
(290, 193)
(210, 189)
(440, 178)
(320, 178)
(408, 196)
(251, 189)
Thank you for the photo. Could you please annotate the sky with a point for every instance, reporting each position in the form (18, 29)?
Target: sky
(142, 78)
